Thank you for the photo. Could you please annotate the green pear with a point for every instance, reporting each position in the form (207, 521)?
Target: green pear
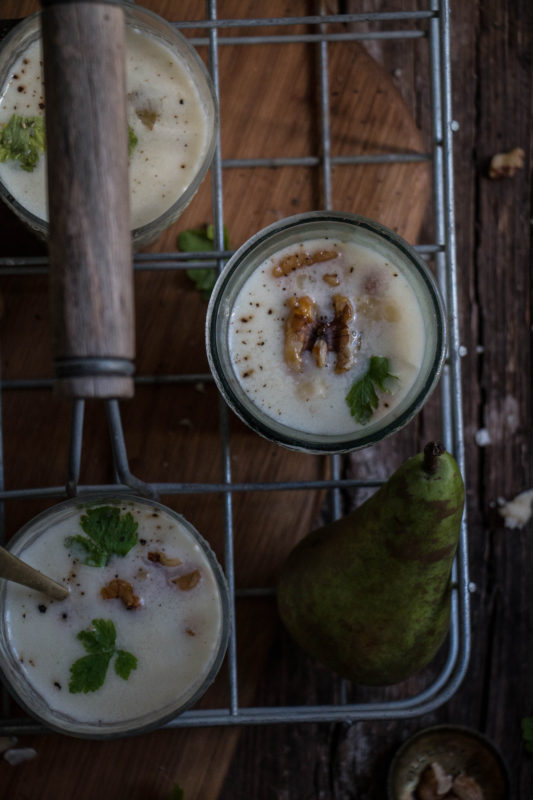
(369, 595)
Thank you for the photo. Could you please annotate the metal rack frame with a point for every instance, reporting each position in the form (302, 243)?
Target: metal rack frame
(437, 20)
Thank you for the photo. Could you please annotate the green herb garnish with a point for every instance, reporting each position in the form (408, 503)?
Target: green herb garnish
(197, 241)
(362, 397)
(88, 673)
(177, 793)
(527, 733)
(23, 139)
(132, 140)
(108, 533)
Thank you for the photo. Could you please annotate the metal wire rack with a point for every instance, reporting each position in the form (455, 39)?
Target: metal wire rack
(433, 24)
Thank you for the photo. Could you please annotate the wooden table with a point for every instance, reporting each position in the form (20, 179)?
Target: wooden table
(492, 101)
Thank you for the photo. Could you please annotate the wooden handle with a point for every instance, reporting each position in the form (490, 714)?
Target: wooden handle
(91, 277)
(13, 569)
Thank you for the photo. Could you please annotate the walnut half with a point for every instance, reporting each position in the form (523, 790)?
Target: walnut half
(344, 338)
(299, 327)
(306, 331)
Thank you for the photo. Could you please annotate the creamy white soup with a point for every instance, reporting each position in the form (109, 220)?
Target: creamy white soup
(161, 599)
(166, 116)
(315, 319)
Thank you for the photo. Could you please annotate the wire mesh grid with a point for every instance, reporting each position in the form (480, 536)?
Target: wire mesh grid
(433, 25)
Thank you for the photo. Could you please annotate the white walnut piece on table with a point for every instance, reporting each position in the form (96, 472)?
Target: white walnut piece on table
(505, 165)
(516, 512)
(17, 755)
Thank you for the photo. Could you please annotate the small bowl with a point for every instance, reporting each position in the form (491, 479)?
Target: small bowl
(178, 632)
(380, 252)
(458, 750)
(142, 21)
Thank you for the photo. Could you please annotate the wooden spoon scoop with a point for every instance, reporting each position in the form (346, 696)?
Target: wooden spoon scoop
(13, 569)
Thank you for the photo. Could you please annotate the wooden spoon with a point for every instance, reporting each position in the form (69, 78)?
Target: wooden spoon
(13, 569)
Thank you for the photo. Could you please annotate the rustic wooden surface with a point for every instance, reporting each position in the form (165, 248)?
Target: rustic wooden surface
(491, 60)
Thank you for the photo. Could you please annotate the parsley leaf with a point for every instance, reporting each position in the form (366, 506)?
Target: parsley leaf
(108, 533)
(101, 637)
(362, 397)
(125, 663)
(95, 556)
(22, 139)
(527, 733)
(132, 140)
(88, 673)
(201, 240)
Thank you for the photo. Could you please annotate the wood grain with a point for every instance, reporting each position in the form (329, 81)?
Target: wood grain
(91, 276)
(491, 47)
(269, 108)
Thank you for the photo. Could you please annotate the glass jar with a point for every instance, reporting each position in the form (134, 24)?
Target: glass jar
(28, 200)
(177, 625)
(316, 424)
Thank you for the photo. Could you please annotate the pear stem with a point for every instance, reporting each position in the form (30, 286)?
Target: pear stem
(432, 453)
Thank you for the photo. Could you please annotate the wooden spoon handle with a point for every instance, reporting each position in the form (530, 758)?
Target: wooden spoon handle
(13, 569)
(91, 277)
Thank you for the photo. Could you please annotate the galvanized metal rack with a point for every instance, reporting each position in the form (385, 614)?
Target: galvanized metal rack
(433, 24)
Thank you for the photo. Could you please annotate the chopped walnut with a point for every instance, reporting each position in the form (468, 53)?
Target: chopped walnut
(299, 328)
(144, 108)
(298, 260)
(437, 784)
(304, 331)
(433, 784)
(188, 581)
(466, 788)
(505, 165)
(147, 116)
(443, 779)
(162, 558)
(345, 346)
(118, 588)
(320, 352)
(331, 278)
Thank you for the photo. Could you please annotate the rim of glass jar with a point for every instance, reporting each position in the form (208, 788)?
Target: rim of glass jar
(15, 681)
(239, 402)
(143, 234)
